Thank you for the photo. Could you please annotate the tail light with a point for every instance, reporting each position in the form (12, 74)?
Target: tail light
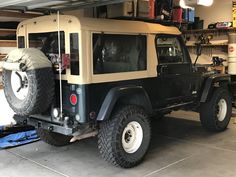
(73, 99)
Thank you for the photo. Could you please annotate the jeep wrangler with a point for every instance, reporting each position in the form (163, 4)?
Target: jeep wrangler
(74, 78)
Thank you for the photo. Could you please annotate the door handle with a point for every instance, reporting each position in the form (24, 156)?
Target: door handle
(162, 69)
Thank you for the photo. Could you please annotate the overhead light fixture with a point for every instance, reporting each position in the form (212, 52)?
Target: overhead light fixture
(45, 4)
(205, 2)
(189, 3)
(184, 5)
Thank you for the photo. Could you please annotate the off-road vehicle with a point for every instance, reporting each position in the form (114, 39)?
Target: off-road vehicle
(74, 78)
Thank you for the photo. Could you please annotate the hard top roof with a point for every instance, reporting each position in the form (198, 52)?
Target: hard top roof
(108, 25)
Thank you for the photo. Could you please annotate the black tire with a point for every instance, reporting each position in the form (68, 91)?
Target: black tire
(53, 138)
(40, 92)
(210, 111)
(111, 132)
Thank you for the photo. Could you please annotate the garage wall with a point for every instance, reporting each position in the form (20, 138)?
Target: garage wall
(221, 10)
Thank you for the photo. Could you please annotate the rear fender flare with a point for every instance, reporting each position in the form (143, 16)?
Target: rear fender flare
(212, 82)
(116, 93)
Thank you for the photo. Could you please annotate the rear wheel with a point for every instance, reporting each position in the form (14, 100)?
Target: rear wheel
(124, 139)
(216, 113)
(53, 138)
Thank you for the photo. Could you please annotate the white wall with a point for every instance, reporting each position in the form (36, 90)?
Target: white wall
(6, 116)
(221, 10)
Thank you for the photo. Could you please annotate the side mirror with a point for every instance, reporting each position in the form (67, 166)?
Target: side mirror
(198, 49)
(198, 52)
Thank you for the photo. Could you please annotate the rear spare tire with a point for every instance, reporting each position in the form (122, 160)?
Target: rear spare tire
(30, 92)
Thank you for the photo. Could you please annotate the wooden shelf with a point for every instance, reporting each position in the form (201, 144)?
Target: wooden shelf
(223, 30)
(209, 45)
(7, 32)
(8, 43)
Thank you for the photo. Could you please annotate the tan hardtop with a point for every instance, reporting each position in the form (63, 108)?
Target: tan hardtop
(126, 26)
(106, 25)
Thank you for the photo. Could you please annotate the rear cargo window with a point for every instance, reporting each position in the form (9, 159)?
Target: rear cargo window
(47, 42)
(114, 53)
(74, 53)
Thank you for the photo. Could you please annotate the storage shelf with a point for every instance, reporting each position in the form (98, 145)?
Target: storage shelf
(6, 32)
(223, 30)
(8, 43)
(209, 45)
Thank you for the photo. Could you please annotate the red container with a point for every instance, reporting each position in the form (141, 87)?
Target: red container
(152, 9)
(177, 15)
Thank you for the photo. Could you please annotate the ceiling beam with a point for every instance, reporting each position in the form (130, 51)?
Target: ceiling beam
(89, 4)
(8, 43)
(17, 14)
(6, 32)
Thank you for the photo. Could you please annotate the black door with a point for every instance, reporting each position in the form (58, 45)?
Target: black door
(175, 81)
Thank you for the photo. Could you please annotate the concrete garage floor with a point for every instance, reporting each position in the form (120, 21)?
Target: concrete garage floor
(180, 147)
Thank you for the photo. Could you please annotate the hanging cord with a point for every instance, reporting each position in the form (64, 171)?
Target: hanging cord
(60, 61)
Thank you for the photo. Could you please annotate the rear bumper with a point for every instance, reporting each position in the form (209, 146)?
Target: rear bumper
(41, 122)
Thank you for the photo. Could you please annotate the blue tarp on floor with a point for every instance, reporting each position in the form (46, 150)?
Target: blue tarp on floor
(17, 139)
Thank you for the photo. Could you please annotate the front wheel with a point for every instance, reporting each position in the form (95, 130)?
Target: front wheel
(216, 113)
(124, 139)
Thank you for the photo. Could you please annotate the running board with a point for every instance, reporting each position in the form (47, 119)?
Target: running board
(84, 136)
(174, 106)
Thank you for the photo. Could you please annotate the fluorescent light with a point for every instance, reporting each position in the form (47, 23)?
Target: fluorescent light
(205, 2)
(13, 2)
(184, 5)
(45, 4)
(189, 3)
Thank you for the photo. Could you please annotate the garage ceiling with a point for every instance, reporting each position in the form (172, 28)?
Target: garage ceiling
(53, 5)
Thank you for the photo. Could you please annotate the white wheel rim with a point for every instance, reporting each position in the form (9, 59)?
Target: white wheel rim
(221, 109)
(19, 90)
(132, 137)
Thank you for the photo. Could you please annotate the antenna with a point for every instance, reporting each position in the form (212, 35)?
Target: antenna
(60, 61)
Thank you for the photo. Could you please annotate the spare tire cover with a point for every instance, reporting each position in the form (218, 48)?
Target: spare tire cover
(32, 91)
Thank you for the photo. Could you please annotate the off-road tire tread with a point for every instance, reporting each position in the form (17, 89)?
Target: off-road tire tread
(106, 142)
(207, 115)
(40, 96)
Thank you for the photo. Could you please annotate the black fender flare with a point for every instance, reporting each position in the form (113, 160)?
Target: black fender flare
(209, 85)
(117, 92)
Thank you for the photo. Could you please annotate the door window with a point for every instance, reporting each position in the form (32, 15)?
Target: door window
(169, 50)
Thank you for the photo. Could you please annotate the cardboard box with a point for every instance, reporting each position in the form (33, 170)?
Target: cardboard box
(143, 8)
(126, 9)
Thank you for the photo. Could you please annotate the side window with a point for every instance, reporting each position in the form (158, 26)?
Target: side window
(74, 53)
(114, 53)
(21, 42)
(169, 50)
